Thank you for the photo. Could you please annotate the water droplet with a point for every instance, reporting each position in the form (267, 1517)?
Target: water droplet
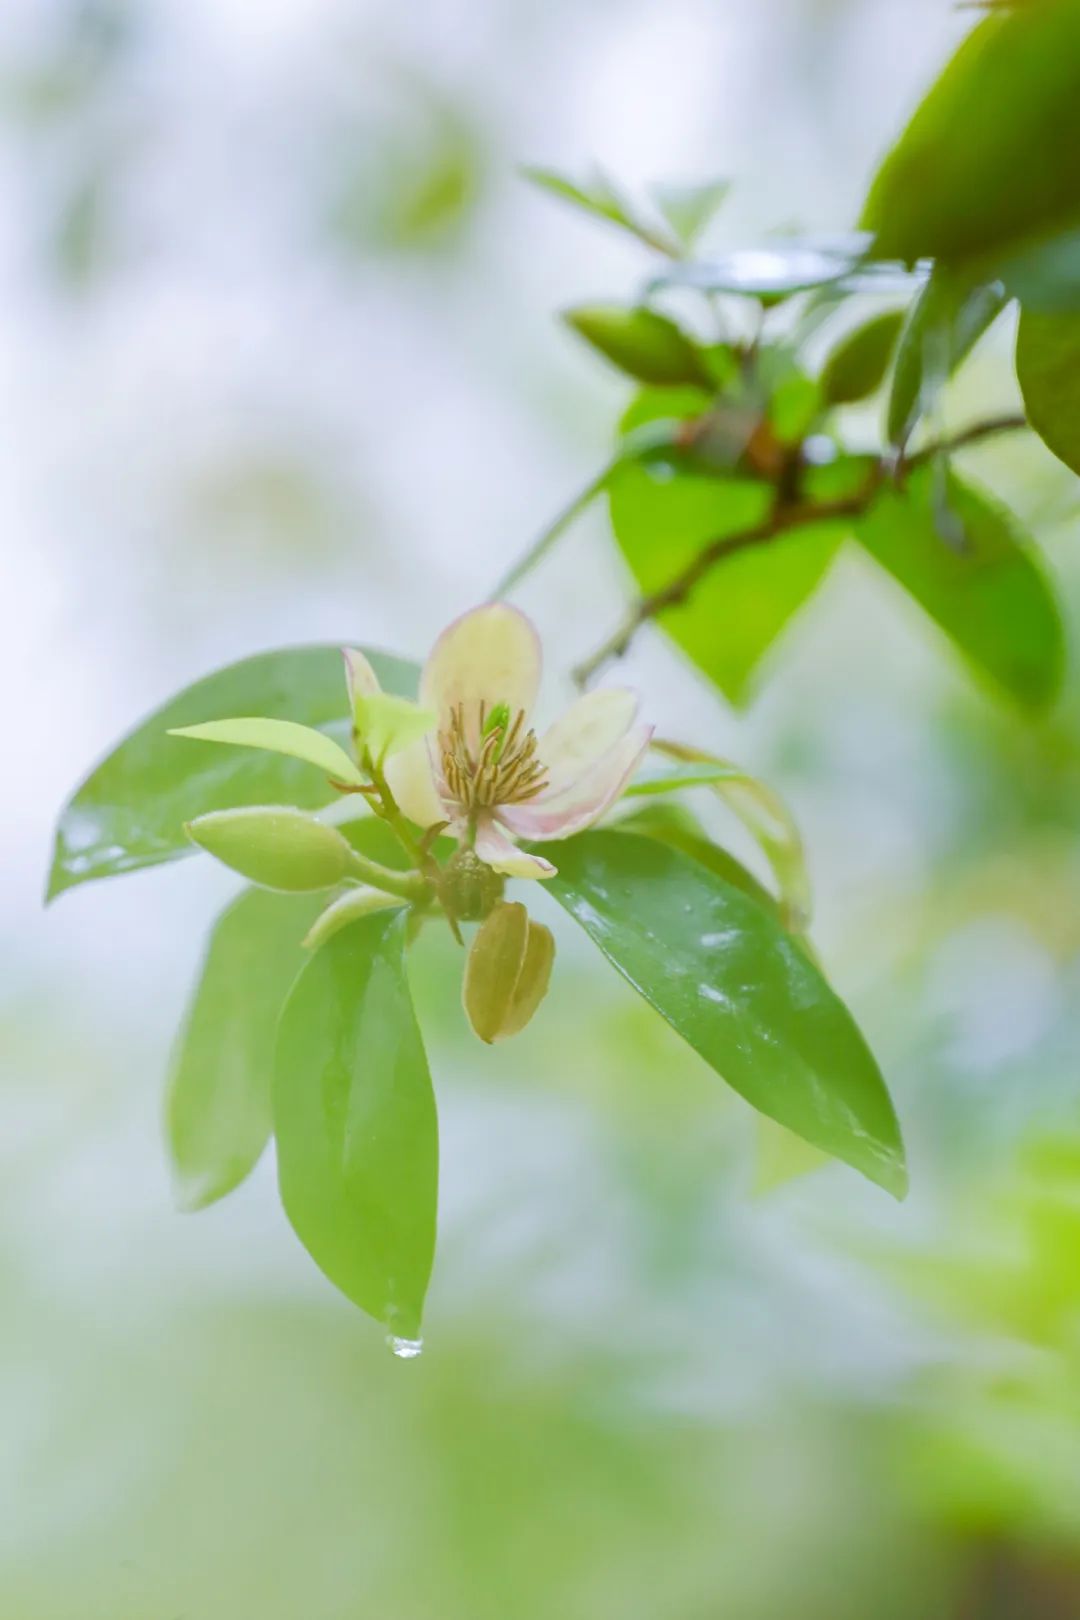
(405, 1349)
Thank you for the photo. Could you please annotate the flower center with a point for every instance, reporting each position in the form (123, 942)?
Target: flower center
(500, 767)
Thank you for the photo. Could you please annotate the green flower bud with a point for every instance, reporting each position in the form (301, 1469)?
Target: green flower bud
(470, 888)
(507, 972)
(274, 846)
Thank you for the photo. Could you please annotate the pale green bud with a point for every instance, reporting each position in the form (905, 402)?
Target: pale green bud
(275, 846)
(507, 972)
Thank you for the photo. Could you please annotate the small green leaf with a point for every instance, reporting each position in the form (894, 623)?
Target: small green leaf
(653, 780)
(688, 209)
(604, 199)
(275, 846)
(795, 405)
(347, 908)
(641, 343)
(354, 1118)
(857, 367)
(741, 607)
(1048, 370)
(989, 593)
(218, 1117)
(946, 321)
(738, 989)
(277, 737)
(130, 811)
(989, 159)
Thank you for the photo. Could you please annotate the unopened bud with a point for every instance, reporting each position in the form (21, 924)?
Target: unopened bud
(470, 887)
(274, 846)
(507, 972)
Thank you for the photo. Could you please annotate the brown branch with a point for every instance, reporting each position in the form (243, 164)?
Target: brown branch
(785, 517)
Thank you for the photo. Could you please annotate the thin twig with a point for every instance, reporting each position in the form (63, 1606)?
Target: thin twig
(785, 517)
(554, 532)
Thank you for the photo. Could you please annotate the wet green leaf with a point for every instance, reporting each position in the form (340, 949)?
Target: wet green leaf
(946, 321)
(675, 825)
(641, 343)
(1048, 369)
(857, 367)
(739, 610)
(989, 159)
(354, 1118)
(218, 1117)
(130, 811)
(989, 592)
(737, 988)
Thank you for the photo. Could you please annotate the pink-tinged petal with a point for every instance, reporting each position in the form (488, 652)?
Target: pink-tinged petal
(360, 679)
(493, 846)
(560, 815)
(491, 656)
(413, 785)
(582, 736)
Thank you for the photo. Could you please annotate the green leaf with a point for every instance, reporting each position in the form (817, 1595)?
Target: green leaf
(654, 781)
(783, 266)
(738, 611)
(604, 199)
(130, 812)
(733, 984)
(857, 367)
(989, 159)
(1044, 276)
(641, 343)
(278, 737)
(675, 825)
(217, 1112)
(354, 1118)
(688, 209)
(1048, 369)
(946, 321)
(989, 594)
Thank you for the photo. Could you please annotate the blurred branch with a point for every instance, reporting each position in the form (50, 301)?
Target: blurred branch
(786, 516)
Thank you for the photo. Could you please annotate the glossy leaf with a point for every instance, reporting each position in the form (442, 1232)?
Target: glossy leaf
(733, 984)
(989, 594)
(1048, 370)
(641, 343)
(739, 610)
(218, 1115)
(946, 321)
(1044, 275)
(278, 737)
(989, 159)
(675, 825)
(354, 1118)
(130, 812)
(858, 366)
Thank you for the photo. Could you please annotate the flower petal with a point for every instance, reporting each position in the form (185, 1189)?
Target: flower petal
(493, 846)
(491, 655)
(560, 815)
(413, 785)
(582, 735)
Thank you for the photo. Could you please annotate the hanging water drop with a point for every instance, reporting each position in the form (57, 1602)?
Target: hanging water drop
(405, 1349)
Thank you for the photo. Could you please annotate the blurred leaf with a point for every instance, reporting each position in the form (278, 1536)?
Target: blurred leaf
(781, 1157)
(737, 612)
(989, 594)
(354, 1118)
(775, 270)
(688, 209)
(654, 781)
(1045, 276)
(946, 321)
(794, 407)
(645, 345)
(732, 983)
(277, 737)
(1048, 370)
(218, 1116)
(130, 811)
(274, 846)
(601, 197)
(857, 367)
(675, 825)
(989, 157)
(767, 819)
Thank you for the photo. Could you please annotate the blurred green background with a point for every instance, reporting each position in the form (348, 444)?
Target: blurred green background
(278, 363)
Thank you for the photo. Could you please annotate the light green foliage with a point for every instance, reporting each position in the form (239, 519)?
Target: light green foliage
(946, 321)
(275, 846)
(354, 1118)
(989, 159)
(859, 364)
(641, 343)
(987, 589)
(278, 737)
(728, 978)
(130, 812)
(689, 209)
(1048, 369)
(218, 1114)
(602, 197)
